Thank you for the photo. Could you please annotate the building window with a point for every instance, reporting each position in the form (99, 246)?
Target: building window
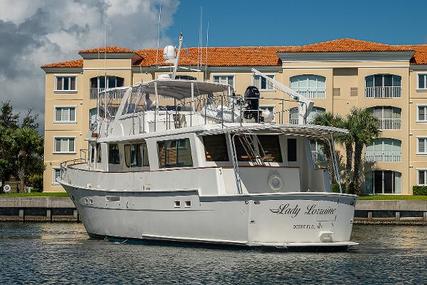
(262, 84)
(66, 83)
(387, 150)
(310, 86)
(113, 154)
(384, 182)
(389, 118)
(102, 82)
(422, 81)
(174, 153)
(422, 177)
(422, 113)
(422, 145)
(215, 148)
(64, 145)
(383, 86)
(224, 79)
(65, 114)
(56, 173)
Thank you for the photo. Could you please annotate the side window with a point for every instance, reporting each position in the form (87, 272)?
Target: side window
(113, 154)
(144, 151)
(98, 153)
(174, 153)
(292, 150)
(215, 148)
(133, 156)
(271, 146)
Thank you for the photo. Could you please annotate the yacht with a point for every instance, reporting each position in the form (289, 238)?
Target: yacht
(190, 161)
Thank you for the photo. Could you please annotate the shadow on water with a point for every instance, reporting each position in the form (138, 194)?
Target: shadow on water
(63, 253)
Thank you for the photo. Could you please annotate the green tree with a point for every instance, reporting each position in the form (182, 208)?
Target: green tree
(363, 129)
(7, 118)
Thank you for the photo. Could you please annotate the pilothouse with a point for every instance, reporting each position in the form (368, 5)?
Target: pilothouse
(191, 161)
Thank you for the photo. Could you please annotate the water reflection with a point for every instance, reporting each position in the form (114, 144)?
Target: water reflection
(62, 253)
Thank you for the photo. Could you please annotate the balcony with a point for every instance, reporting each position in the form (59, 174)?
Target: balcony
(312, 94)
(389, 123)
(383, 92)
(384, 156)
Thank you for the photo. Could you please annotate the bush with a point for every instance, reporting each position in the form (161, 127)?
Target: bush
(36, 181)
(419, 190)
(336, 188)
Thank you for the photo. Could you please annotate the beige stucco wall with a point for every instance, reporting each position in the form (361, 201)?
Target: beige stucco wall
(339, 74)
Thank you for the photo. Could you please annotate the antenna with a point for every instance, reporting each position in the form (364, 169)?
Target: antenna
(175, 66)
(158, 32)
(200, 44)
(206, 57)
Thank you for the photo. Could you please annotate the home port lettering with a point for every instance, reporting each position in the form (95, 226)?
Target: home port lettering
(294, 211)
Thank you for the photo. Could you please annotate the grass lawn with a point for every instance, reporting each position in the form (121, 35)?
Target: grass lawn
(34, 195)
(393, 197)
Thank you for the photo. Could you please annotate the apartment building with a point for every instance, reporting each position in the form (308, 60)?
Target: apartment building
(390, 80)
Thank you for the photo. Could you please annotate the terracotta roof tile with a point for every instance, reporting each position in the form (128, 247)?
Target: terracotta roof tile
(253, 55)
(345, 45)
(65, 64)
(420, 55)
(110, 49)
(217, 56)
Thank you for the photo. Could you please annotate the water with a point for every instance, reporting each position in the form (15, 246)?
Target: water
(33, 253)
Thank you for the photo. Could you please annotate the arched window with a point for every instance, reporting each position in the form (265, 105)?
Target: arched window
(383, 182)
(389, 118)
(383, 86)
(104, 82)
(293, 114)
(310, 86)
(384, 149)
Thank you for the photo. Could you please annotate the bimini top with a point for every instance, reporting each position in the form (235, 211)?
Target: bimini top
(180, 89)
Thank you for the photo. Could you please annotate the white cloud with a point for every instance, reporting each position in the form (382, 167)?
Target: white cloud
(36, 32)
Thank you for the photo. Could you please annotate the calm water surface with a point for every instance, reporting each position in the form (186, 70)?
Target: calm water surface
(32, 253)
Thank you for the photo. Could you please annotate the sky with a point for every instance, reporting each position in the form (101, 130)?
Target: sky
(36, 32)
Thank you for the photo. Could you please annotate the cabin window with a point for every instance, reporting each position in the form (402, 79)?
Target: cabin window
(215, 148)
(144, 154)
(292, 149)
(133, 156)
(174, 153)
(271, 146)
(241, 152)
(113, 154)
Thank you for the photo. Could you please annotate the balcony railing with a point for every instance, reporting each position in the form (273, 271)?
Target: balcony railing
(385, 156)
(389, 123)
(383, 92)
(312, 94)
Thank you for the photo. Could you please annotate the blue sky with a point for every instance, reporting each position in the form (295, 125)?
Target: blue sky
(275, 22)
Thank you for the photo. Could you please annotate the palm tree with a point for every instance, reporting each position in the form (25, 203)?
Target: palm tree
(364, 129)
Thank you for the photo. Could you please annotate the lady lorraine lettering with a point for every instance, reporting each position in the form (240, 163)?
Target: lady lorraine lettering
(293, 211)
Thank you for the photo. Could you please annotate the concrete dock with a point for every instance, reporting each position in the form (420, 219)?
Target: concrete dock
(62, 209)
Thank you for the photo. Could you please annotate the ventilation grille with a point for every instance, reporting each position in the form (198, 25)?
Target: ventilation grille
(337, 91)
(353, 91)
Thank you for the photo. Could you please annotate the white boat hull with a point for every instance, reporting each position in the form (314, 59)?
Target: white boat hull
(277, 220)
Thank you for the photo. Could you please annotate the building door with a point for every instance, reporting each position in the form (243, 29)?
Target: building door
(386, 182)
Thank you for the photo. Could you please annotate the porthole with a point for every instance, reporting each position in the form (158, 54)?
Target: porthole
(177, 204)
(187, 204)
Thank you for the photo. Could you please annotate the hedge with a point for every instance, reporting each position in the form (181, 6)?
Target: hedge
(419, 190)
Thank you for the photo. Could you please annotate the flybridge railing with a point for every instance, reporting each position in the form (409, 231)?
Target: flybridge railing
(143, 114)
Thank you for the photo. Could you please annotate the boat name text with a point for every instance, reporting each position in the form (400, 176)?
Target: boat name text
(293, 211)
